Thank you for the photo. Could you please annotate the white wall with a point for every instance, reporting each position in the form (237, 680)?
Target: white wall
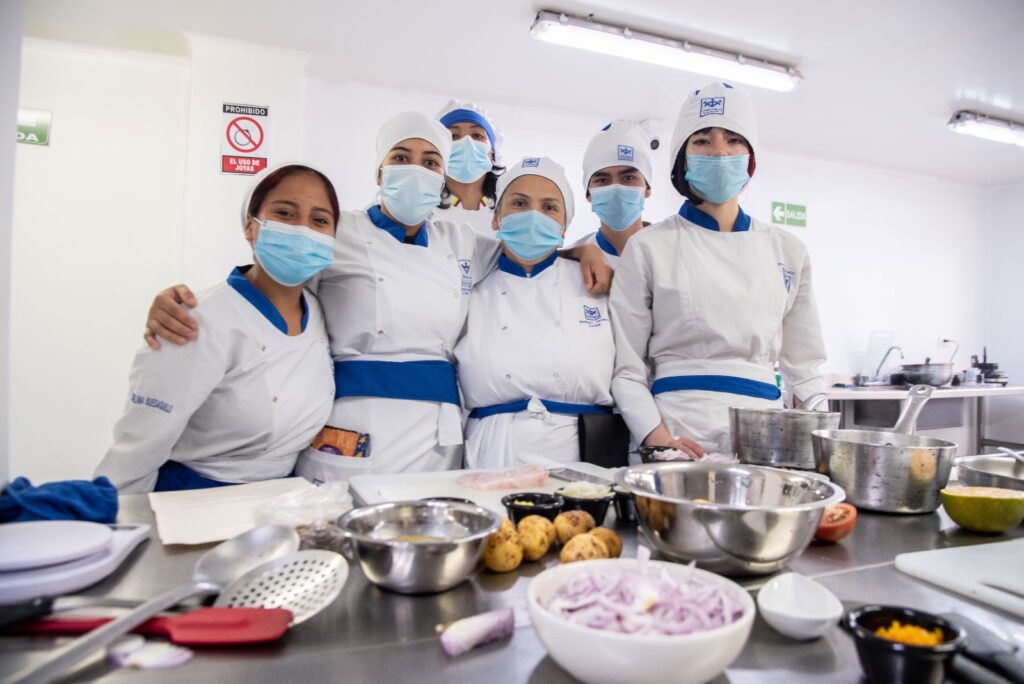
(129, 198)
(1004, 312)
(98, 218)
(10, 70)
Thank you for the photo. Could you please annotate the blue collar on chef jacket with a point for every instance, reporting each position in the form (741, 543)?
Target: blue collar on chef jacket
(694, 215)
(396, 229)
(606, 246)
(261, 302)
(508, 266)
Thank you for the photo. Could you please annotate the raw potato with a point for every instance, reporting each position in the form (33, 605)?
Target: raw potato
(541, 522)
(611, 539)
(534, 541)
(503, 551)
(571, 523)
(583, 547)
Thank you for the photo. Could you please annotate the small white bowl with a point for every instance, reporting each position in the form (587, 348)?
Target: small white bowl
(599, 657)
(798, 607)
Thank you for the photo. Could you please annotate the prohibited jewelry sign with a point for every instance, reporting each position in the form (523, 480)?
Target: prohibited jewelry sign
(245, 141)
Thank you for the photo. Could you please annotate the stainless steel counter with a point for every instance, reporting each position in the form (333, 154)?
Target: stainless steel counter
(370, 635)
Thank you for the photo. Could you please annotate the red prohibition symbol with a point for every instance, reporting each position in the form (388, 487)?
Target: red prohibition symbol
(245, 134)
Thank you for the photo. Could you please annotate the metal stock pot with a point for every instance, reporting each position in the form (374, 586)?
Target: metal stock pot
(779, 437)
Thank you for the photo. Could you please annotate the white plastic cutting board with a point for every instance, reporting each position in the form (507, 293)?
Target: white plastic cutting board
(410, 486)
(973, 571)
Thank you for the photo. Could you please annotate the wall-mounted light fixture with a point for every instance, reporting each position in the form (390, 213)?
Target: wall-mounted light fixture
(555, 27)
(988, 127)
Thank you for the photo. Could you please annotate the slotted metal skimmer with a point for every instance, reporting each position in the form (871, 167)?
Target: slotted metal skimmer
(304, 582)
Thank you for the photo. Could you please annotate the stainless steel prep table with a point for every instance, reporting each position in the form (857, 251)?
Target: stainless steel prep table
(370, 635)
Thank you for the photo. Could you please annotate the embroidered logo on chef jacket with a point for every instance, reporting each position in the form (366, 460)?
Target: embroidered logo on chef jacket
(466, 267)
(787, 276)
(152, 402)
(625, 153)
(531, 163)
(592, 316)
(712, 105)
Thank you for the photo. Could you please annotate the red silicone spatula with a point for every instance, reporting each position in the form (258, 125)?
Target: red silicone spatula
(200, 627)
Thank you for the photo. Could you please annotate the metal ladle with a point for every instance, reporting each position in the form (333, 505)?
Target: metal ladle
(216, 569)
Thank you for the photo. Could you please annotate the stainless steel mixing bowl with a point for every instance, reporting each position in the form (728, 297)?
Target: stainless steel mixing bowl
(990, 471)
(447, 543)
(731, 518)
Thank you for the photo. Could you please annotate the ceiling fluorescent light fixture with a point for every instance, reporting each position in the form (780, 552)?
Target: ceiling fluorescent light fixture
(563, 29)
(988, 127)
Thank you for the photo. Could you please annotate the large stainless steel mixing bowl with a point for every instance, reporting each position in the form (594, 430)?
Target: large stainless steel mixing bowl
(731, 518)
(417, 547)
(990, 471)
(778, 437)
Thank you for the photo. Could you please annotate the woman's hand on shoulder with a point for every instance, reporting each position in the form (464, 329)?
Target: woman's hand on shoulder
(169, 319)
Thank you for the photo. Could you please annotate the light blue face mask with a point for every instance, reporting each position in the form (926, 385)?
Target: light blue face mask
(530, 235)
(469, 160)
(618, 206)
(410, 192)
(291, 255)
(717, 179)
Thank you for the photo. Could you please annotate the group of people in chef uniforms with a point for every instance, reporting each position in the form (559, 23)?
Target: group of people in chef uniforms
(447, 326)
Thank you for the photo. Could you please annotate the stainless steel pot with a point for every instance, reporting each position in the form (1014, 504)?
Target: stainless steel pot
(990, 471)
(729, 518)
(451, 543)
(934, 374)
(894, 471)
(779, 437)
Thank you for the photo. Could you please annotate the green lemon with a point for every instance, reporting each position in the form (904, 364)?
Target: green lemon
(984, 509)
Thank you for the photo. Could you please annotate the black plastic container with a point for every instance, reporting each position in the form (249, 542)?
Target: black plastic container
(595, 506)
(547, 505)
(625, 507)
(890, 662)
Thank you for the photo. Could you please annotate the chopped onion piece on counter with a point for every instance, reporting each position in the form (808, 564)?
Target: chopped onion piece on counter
(134, 651)
(468, 633)
(644, 601)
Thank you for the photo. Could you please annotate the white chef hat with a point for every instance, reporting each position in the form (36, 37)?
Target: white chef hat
(258, 179)
(407, 125)
(716, 105)
(620, 143)
(545, 168)
(458, 111)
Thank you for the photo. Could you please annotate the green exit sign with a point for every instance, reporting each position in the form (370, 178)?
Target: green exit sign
(33, 126)
(786, 214)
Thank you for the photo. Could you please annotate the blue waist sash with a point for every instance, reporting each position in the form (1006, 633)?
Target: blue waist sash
(174, 476)
(414, 380)
(716, 383)
(552, 406)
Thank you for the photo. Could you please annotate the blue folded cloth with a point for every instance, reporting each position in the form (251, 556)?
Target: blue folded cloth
(94, 501)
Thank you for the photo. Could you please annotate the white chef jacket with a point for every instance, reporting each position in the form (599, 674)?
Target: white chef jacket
(692, 301)
(392, 302)
(236, 405)
(537, 337)
(608, 250)
(480, 220)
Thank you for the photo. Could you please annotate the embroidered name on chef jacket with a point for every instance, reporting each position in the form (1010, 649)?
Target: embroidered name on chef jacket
(712, 105)
(625, 153)
(787, 276)
(466, 267)
(152, 402)
(592, 316)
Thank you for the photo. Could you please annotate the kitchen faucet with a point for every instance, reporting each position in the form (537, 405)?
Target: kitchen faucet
(881, 364)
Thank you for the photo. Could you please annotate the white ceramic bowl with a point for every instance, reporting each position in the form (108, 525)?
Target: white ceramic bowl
(798, 607)
(599, 657)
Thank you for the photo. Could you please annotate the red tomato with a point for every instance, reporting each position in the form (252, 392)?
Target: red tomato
(838, 521)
